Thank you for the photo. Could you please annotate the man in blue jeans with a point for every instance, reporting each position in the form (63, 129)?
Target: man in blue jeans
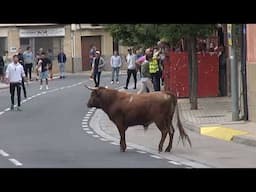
(62, 61)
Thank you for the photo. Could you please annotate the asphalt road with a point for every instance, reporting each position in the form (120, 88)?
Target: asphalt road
(48, 133)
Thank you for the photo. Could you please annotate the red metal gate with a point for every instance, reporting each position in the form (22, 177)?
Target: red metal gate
(176, 74)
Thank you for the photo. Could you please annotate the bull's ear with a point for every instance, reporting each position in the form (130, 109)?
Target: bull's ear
(91, 88)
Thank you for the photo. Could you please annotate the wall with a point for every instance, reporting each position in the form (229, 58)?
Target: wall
(251, 70)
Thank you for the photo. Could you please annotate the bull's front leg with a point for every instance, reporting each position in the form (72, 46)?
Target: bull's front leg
(122, 130)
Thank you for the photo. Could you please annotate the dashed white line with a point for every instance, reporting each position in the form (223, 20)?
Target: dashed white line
(130, 148)
(103, 139)
(114, 143)
(86, 129)
(15, 162)
(62, 88)
(86, 118)
(142, 152)
(38, 94)
(96, 136)
(90, 112)
(89, 132)
(43, 92)
(87, 115)
(2, 112)
(174, 162)
(85, 122)
(85, 126)
(155, 156)
(3, 153)
(7, 109)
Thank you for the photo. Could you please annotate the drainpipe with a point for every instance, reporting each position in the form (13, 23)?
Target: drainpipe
(243, 71)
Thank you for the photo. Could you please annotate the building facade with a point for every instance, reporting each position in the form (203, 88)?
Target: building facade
(251, 70)
(74, 39)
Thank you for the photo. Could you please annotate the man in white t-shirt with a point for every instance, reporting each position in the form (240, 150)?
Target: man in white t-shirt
(131, 61)
(14, 74)
(115, 62)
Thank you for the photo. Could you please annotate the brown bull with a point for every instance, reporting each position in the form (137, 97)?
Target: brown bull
(129, 109)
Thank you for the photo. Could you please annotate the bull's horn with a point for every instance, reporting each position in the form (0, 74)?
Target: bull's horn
(91, 88)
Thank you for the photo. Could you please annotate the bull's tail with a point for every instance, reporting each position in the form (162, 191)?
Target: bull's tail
(183, 134)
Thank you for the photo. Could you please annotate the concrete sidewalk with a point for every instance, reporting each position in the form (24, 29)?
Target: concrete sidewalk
(213, 118)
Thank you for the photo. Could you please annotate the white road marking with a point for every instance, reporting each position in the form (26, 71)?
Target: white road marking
(130, 148)
(85, 125)
(90, 112)
(155, 156)
(86, 129)
(174, 162)
(96, 136)
(62, 88)
(85, 121)
(7, 109)
(38, 94)
(103, 139)
(114, 143)
(15, 162)
(3, 153)
(87, 115)
(89, 132)
(142, 152)
(2, 112)
(79, 83)
(86, 118)
(43, 93)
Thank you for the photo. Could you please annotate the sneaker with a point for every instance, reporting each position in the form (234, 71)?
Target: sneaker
(112, 82)
(19, 109)
(25, 96)
(12, 107)
(125, 87)
(41, 87)
(117, 82)
(46, 87)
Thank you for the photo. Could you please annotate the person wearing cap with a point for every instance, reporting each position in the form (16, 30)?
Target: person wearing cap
(115, 62)
(97, 65)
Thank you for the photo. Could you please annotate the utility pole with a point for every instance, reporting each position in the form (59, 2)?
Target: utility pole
(243, 69)
(234, 73)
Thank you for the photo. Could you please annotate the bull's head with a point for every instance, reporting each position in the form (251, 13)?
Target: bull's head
(95, 98)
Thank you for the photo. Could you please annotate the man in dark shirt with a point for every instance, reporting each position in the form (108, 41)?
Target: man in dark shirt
(44, 63)
(21, 61)
(97, 65)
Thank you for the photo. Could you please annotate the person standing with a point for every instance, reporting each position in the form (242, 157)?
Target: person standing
(115, 62)
(62, 61)
(155, 71)
(21, 61)
(1, 68)
(28, 62)
(44, 63)
(131, 60)
(97, 66)
(51, 58)
(14, 74)
(147, 85)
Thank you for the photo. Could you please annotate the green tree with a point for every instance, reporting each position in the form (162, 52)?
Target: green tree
(148, 34)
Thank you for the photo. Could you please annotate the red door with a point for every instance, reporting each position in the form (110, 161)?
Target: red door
(86, 46)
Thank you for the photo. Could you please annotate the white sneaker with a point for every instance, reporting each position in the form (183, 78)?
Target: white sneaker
(41, 87)
(112, 82)
(117, 82)
(46, 87)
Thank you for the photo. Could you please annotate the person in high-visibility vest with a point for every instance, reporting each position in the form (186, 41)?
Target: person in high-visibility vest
(155, 71)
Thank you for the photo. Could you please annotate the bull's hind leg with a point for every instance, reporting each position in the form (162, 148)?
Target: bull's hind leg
(164, 132)
(171, 134)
